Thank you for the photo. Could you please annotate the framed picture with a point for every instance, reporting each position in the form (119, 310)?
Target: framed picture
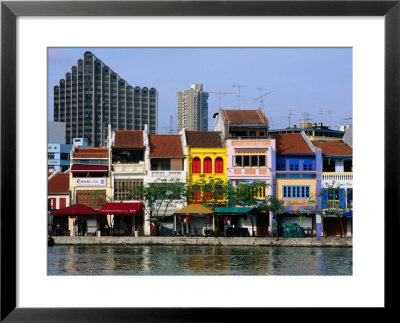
(177, 304)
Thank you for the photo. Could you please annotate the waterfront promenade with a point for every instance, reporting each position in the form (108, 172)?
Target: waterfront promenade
(208, 241)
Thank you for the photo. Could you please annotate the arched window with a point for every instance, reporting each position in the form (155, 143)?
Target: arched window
(207, 165)
(196, 165)
(219, 165)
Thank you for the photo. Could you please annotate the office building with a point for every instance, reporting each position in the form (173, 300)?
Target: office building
(55, 132)
(92, 96)
(193, 108)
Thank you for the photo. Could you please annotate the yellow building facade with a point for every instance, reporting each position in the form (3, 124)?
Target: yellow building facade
(198, 160)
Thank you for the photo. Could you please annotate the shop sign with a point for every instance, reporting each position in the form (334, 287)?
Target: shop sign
(91, 182)
(318, 218)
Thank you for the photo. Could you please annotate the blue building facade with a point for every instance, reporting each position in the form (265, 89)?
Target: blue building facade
(58, 157)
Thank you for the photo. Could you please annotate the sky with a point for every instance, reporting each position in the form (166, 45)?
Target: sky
(307, 84)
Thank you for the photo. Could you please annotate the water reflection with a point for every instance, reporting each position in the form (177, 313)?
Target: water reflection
(198, 260)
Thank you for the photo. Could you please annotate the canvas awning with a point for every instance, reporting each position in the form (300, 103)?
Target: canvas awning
(89, 169)
(234, 210)
(121, 208)
(194, 209)
(75, 209)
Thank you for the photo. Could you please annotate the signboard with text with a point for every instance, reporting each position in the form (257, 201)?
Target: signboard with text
(91, 182)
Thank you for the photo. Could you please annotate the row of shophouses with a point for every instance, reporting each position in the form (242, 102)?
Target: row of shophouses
(298, 170)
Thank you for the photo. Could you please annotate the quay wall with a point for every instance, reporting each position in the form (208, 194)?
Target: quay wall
(207, 241)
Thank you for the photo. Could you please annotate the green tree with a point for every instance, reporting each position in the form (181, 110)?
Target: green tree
(209, 191)
(159, 196)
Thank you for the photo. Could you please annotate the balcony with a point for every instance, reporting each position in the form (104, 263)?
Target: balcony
(129, 168)
(167, 174)
(340, 178)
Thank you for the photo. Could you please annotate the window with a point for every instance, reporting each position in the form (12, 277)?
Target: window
(207, 165)
(281, 164)
(293, 165)
(308, 164)
(261, 161)
(348, 165)
(196, 165)
(328, 165)
(294, 191)
(64, 156)
(219, 165)
(246, 161)
(50, 156)
(251, 160)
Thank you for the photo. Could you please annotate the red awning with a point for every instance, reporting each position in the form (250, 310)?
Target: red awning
(76, 209)
(89, 169)
(121, 208)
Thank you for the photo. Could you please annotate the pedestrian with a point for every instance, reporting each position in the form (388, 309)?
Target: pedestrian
(79, 227)
(84, 227)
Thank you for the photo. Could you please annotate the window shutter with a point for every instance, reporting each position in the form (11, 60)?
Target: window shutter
(342, 195)
(324, 198)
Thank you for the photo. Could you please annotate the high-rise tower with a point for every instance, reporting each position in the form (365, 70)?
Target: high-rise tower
(92, 96)
(193, 108)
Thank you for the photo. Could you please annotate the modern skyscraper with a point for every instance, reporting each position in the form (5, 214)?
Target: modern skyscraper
(193, 108)
(92, 96)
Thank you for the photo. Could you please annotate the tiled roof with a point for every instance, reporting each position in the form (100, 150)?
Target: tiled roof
(91, 152)
(165, 146)
(128, 139)
(333, 147)
(245, 117)
(59, 183)
(291, 143)
(203, 139)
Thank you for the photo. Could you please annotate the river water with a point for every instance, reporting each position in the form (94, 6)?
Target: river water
(198, 260)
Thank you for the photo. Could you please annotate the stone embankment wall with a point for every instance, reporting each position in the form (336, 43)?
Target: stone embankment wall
(208, 241)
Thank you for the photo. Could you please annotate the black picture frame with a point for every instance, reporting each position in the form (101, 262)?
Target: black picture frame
(10, 10)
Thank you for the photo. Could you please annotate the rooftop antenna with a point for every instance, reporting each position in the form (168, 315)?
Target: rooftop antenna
(329, 113)
(290, 114)
(171, 129)
(306, 118)
(261, 98)
(239, 86)
(321, 113)
(219, 95)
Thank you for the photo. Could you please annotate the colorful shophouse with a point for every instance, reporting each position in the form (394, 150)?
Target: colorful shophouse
(58, 198)
(206, 155)
(90, 183)
(297, 173)
(129, 151)
(337, 186)
(250, 156)
(166, 164)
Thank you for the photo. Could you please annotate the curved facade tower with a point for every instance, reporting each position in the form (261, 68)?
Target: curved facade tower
(92, 96)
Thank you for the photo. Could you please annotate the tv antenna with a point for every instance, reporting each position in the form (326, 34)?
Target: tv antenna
(171, 129)
(290, 115)
(329, 113)
(239, 86)
(306, 118)
(219, 95)
(261, 98)
(321, 113)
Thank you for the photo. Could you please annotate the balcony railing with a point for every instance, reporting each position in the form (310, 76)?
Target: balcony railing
(129, 168)
(167, 174)
(337, 177)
